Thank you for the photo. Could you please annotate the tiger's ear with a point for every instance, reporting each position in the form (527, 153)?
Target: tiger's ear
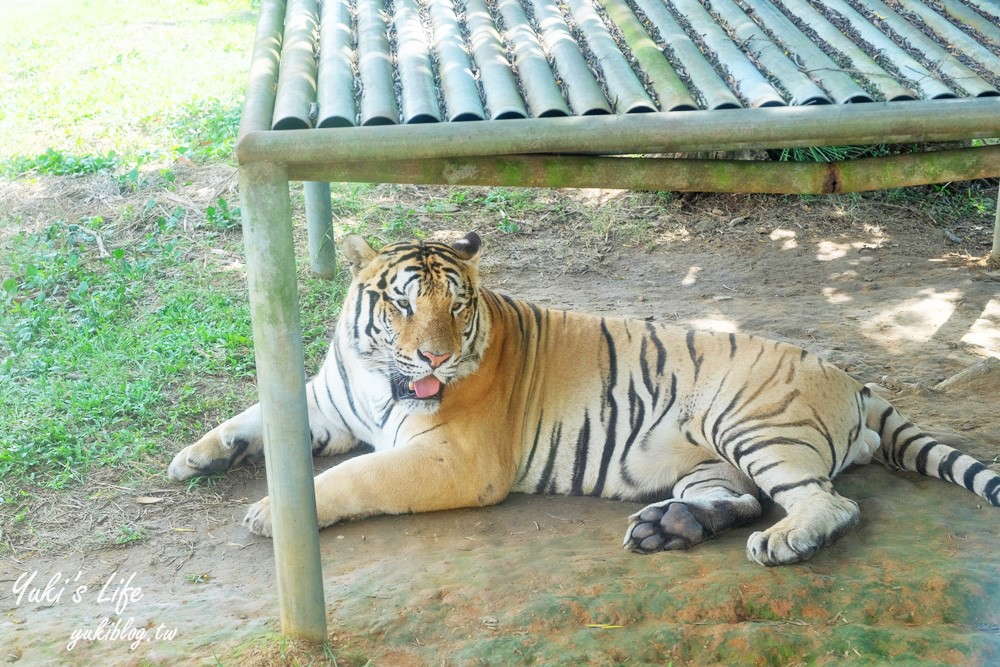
(468, 246)
(357, 252)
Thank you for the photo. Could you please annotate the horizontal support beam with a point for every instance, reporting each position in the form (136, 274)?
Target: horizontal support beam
(680, 175)
(671, 132)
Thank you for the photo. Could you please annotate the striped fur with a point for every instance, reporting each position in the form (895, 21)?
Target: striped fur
(522, 398)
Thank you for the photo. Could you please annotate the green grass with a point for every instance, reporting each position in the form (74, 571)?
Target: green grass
(281, 650)
(198, 137)
(119, 340)
(832, 153)
(106, 360)
(121, 359)
(93, 353)
(151, 77)
(205, 129)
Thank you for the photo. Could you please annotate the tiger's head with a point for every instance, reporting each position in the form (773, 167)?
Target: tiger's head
(414, 314)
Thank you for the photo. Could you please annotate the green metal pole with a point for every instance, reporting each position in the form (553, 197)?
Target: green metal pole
(336, 67)
(690, 131)
(624, 89)
(993, 261)
(319, 224)
(274, 308)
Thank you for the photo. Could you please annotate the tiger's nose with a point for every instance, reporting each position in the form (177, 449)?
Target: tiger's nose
(434, 360)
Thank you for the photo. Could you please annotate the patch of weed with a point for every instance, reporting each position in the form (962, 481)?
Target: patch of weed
(202, 481)
(59, 163)
(130, 181)
(274, 649)
(349, 199)
(511, 200)
(402, 223)
(962, 202)
(221, 216)
(205, 129)
(128, 534)
(508, 226)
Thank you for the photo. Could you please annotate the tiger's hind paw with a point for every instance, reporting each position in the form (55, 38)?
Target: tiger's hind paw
(802, 533)
(663, 527)
(680, 524)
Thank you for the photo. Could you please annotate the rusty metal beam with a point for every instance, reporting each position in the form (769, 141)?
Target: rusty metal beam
(680, 175)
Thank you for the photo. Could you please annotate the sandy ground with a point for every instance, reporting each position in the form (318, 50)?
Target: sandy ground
(877, 287)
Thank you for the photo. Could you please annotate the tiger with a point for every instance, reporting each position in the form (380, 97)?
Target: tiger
(464, 395)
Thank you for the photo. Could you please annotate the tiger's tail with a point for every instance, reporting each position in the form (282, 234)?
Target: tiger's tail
(905, 446)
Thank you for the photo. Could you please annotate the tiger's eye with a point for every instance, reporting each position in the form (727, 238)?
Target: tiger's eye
(403, 305)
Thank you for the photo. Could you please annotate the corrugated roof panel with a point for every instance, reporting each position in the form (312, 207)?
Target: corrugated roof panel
(416, 61)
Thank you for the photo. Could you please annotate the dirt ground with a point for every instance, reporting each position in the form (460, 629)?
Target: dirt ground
(880, 287)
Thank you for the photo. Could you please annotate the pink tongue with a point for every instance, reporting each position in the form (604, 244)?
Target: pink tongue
(427, 386)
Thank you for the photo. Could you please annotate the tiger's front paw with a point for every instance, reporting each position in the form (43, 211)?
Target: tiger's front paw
(782, 547)
(225, 446)
(220, 449)
(258, 518)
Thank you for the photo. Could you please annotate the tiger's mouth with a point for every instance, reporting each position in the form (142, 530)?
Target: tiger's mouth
(422, 389)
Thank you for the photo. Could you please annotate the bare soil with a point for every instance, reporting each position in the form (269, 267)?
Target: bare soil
(894, 291)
